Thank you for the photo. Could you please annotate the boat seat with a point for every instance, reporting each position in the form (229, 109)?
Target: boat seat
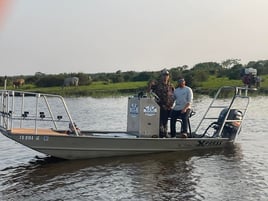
(190, 114)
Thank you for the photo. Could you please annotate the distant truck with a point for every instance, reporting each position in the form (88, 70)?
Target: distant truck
(249, 77)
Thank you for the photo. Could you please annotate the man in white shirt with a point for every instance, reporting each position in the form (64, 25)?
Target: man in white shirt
(183, 97)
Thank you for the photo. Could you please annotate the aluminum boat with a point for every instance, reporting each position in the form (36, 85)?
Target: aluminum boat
(43, 123)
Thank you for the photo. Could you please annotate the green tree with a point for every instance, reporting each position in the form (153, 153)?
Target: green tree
(229, 63)
(143, 76)
(50, 81)
(212, 68)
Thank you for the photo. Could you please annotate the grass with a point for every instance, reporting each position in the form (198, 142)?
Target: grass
(214, 82)
(96, 89)
(100, 89)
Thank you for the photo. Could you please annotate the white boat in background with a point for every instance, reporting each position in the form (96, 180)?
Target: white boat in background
(43, 123)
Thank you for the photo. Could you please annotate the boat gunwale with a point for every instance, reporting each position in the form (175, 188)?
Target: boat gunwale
(33, 131)
(87, 134)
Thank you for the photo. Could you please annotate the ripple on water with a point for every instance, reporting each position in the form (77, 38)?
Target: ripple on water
(237, 173)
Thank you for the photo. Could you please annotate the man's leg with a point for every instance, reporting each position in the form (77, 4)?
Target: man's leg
(184, 119)
(165, 121)
(173, 120)
(163, 126)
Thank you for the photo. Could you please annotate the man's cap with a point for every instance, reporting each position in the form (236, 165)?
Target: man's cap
(164, 72)
(181, 79)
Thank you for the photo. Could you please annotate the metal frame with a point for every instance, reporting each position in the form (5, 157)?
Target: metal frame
(7, 115)
(238, 92)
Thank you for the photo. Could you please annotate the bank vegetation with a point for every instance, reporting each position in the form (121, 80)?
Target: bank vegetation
(204, 78)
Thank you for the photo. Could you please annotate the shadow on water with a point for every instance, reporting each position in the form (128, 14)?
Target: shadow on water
(153, 176)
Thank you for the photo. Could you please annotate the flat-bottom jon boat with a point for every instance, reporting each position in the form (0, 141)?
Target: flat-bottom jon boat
(37, 121)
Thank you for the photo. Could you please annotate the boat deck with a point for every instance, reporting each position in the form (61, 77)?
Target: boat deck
(32, 131)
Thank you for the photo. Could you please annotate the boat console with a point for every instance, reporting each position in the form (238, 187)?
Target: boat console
(143, 116)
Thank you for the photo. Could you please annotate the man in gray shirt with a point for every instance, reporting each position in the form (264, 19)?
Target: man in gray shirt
(183, 97)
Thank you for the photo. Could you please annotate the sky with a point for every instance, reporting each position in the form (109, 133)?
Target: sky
(91, 36)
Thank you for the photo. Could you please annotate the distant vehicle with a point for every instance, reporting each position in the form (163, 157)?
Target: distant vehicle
(249, 77)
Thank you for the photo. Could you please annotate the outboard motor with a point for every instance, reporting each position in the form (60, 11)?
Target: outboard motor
(230, 128)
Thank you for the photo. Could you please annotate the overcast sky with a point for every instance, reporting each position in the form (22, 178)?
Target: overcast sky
(89, 36)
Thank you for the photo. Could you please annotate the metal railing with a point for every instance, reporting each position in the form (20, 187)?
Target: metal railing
(233, 93)
(19, 107)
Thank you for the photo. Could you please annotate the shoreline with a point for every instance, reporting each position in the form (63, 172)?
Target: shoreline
(77, 92)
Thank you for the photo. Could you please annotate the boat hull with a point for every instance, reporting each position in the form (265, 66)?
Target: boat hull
(35, 126)
(85, 147)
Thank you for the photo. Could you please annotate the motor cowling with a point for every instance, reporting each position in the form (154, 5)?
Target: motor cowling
(230, 128)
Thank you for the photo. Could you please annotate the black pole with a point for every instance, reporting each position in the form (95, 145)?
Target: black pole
(5, 83)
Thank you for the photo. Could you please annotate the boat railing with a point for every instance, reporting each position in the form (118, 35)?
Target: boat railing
(227, 98)
(19, 109)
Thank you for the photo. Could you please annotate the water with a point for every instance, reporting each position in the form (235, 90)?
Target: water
(238, 173)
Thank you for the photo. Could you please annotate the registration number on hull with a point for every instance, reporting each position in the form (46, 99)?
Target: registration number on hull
(33, 138)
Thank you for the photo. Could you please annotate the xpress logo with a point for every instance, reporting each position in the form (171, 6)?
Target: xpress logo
(150, 110)
(134, 110)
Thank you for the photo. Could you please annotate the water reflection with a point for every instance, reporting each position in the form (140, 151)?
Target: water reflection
(235, 173)
(164, 176)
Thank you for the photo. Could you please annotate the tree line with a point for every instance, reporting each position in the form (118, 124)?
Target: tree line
(200, 72)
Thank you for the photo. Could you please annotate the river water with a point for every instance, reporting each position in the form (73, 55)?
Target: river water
(238, 173)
